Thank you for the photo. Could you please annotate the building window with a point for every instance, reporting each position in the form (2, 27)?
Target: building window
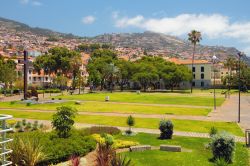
(193, 76)
(34, 78)
(39, 78)
(193, 69)
(30, 78)
(202, 84)
(202, 76)
(46, 78)
(193, 84)
(202, 68)
(29, 71)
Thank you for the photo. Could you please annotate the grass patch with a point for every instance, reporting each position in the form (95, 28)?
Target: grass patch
(199, 155)
(153, 98)
(116, 108)
(151, 123)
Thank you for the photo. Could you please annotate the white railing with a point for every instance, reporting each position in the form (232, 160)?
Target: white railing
(4, 140)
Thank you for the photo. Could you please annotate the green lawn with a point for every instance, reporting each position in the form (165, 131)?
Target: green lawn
(153, 98)
(113, 107)
(196, 153)
(151, 123)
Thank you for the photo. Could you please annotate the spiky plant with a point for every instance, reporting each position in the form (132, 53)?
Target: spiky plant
(120, 160)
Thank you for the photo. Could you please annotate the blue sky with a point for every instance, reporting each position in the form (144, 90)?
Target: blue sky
(222, 22)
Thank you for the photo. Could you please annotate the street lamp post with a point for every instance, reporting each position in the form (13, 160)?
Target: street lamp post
(240, 54)
(214, 59)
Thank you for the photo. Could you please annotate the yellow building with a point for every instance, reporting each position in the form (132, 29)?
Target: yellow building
(202, 72)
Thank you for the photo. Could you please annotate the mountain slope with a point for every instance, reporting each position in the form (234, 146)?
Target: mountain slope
(17, 26)
(153, 43)
(168, 45)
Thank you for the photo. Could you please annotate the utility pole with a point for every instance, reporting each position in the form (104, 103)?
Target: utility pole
(25, 71)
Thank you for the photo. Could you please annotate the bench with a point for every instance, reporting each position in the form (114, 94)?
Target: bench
(171, 148)
(139, 148)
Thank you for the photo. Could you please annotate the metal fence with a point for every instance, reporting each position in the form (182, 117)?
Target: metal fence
(4, 140)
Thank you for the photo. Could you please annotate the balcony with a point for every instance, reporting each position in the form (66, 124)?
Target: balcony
(4, 140)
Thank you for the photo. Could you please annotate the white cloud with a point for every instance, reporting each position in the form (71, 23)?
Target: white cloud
(24, 1)
(31, 2)
(247, 51)
(115, 14)
(88, 20)
(211, 26)
(36, 3)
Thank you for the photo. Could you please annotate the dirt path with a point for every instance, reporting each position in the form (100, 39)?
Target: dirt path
(159, 116)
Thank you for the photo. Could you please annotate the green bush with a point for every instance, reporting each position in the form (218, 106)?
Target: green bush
(213, 131)
(223, 146)
(166, 127)
(130, 123)
(63, 120)
(102, 130)
(52, 91)
(28, 104)
(12, 102)
(60, 149)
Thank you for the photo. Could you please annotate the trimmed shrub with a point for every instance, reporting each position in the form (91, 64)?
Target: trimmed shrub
(34, 92)
(52, 91)
(223, 146)
(130, 123)
(102, 130)
(213, 131)
(116, 143)
(28, 104)
(166, 127)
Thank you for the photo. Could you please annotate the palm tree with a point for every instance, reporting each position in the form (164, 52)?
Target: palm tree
(112, 73)
(194, 37)
(230, 64)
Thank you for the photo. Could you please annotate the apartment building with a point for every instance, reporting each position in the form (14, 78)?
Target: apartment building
(202, 72)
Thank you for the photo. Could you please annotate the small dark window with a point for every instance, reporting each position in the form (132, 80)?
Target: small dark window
(193, 69)
(193, 84)
(202, 76)
(202, 68)
(202, 84)
(193, 76)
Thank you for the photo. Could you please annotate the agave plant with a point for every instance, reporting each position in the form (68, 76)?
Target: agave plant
(26, 150)
(120, 160)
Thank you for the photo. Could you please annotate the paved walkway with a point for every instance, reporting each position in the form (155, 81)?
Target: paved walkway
(229, 111)
(138, 130)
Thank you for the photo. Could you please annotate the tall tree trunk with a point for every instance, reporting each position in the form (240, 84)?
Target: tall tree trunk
(192, 68)
(111, 83)
(5, 89)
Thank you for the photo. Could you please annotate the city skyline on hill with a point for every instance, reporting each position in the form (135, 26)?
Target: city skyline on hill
(224, 23)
